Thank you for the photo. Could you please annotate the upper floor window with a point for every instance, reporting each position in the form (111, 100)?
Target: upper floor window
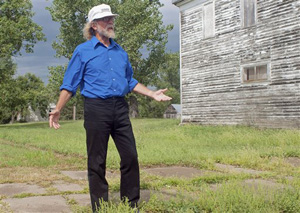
(209, 19)
(248, 12)
(255, 73)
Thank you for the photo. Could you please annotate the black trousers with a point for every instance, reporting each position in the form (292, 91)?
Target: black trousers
(102, 118)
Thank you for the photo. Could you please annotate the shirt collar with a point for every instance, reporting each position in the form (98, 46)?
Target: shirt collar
(95, 41)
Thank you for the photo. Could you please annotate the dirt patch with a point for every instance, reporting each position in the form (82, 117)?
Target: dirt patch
(27, 175)
(176, 171)
(234, 169)
(293, 161)
(11, 189)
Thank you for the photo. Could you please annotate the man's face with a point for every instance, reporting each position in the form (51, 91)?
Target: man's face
(105, 27)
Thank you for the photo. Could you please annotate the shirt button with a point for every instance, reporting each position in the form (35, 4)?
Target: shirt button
(114, 79)
(111, 69)
(114, 90)
(110, 59)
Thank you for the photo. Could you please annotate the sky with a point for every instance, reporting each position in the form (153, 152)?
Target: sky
(44, 55)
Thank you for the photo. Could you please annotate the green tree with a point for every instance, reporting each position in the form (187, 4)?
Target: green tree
(9, 94)
(169, 72)
(139, 28)
(33, 94)
(7, 69)
(17, 31)
(167, 77)
(56, 75)
(21, 93)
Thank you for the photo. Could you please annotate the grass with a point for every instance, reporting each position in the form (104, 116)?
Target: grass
(163, 142)
(232, 197)
(39, 153)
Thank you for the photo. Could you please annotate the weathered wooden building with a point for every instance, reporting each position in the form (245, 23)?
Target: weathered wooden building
(240, 62)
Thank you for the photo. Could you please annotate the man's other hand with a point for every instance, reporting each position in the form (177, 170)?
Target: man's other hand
(53, 119)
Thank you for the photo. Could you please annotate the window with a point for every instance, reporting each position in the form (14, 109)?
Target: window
(254, 74)
(248, 12)
(208, 20)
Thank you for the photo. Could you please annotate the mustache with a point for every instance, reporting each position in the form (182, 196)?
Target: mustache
(110, 26)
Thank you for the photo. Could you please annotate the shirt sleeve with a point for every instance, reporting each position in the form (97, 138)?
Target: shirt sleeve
(73, 74)
(132, 82)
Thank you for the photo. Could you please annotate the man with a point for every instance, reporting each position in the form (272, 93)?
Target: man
(103, 71)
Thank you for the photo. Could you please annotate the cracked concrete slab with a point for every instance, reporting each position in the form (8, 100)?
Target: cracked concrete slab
(11, 189)
(234, 169)
(81, 199)
(45, 204)
(64, 187)
(176, 171)
(76, 175)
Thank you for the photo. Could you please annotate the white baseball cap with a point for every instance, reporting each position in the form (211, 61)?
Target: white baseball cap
(100, 11)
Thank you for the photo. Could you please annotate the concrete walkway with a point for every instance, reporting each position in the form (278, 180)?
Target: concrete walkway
(31, 198)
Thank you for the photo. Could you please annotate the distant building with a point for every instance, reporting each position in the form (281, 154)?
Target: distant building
(35, 116)
(173, 111)
(240, 62)
(32, 116)
(52, 106)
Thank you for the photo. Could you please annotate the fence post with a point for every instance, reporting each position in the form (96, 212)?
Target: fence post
(74, 112)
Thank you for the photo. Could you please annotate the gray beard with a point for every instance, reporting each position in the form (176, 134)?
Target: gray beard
(107, 33)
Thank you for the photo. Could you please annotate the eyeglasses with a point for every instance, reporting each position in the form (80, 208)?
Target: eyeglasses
(107, 19)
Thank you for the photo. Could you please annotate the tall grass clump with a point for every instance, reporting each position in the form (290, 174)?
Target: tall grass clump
(231, 198)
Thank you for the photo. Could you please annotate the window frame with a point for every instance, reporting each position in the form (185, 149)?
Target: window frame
(213, 17)
(243, 14)
(255, 65)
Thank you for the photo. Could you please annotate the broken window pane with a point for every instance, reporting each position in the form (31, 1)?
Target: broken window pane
(255, 73)
(250, 75)
(262, 72)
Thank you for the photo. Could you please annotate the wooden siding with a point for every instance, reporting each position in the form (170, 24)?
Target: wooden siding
(211, 85)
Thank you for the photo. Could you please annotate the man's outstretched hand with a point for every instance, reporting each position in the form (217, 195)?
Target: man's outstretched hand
(156, 95)
(64, 97)
(53, 119)
(160, 96)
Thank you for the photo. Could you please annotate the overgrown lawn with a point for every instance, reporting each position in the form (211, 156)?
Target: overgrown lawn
(163, 142)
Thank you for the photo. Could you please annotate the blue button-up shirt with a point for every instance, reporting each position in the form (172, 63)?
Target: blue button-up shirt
(101, 72)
